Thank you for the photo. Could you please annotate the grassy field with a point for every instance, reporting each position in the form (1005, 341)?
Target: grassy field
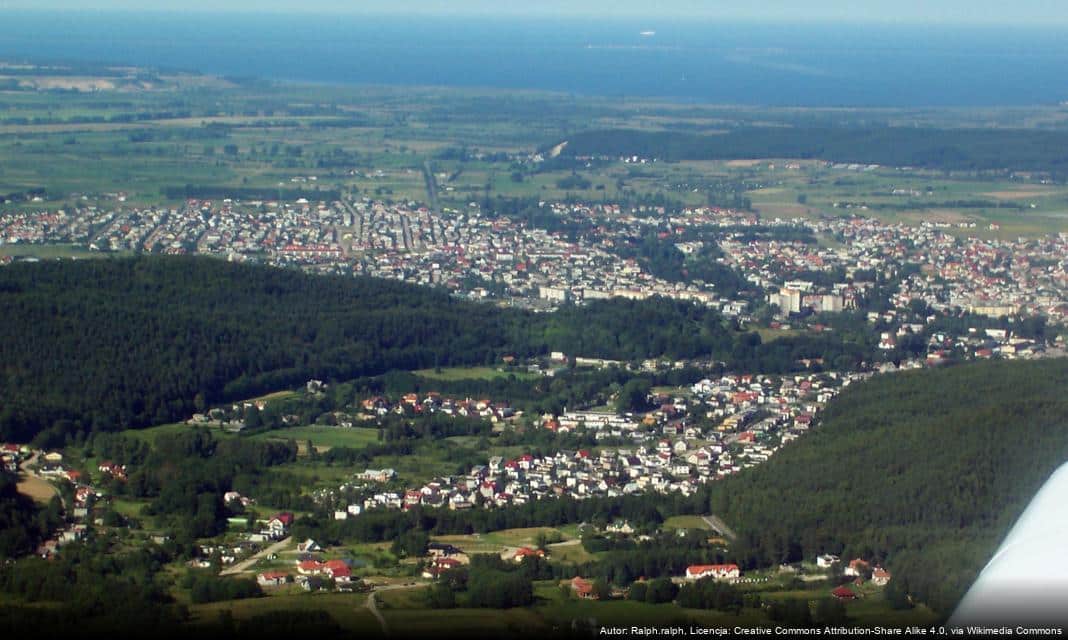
(472, 373)
(497, 541)
(152, 433)
(50, 251)
(346, 608)
(322, 437)
(686, 522)
(39, 489)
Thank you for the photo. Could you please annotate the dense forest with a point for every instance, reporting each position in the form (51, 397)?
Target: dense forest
(946, 149)
(925, 471)
(110, 344)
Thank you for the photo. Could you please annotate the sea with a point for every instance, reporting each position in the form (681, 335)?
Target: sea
(772, 64)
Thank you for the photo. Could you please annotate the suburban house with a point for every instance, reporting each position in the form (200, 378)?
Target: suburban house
(825, 561)
(880, 576)
(278, 525)
(272, 578)
(525, 552)
(844, 593)
(856, 568)
(716, 571)
(583, 588)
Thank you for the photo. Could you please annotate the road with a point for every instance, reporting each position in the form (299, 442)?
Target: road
(243, 566)
(566, 543)
(372, 604)
(431, 187)
(720, 527)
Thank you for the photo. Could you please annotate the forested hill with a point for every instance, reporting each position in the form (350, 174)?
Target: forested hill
(950, 149)
(109, 344)
(925, 470)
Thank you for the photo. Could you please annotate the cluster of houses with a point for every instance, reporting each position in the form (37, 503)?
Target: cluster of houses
(11, 455)
(482, 256)
(50, 465)
(744, 420)
(433, 402)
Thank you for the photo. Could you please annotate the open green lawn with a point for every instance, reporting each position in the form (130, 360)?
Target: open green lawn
(472, 373)
(686, 522)
(346, 608)
(49, 251)
(472, 623)
(323, 437)
(150, 434)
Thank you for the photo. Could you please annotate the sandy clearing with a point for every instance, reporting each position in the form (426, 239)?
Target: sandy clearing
(37, 488)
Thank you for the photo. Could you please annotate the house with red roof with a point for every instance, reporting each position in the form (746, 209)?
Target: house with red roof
(715, 571)
(526, 552)
(844, 593)
(880, 576)
(272, 578)
(583, 588)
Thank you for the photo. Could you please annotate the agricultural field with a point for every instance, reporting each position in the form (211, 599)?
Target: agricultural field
(373, 142)
(686, 522)
(348, 609)
(472, 373)
(323, 438)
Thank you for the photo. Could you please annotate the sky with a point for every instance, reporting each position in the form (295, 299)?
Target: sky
(1017, 12)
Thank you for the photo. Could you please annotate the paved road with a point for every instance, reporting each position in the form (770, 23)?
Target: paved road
(431, 187)
(720, 527)
(243, 566)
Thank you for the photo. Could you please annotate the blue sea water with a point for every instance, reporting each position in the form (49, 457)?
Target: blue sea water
(757, 63)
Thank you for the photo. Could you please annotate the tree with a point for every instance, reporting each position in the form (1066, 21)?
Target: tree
(602, 590)
(660, 590)
(253, 419)
(440, 596)
(633, 395)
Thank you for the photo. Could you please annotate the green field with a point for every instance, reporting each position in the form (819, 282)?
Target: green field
(686, 522)
(151, 433)
(472, 373)
(50, 251)
(346, 608)
(322, 437)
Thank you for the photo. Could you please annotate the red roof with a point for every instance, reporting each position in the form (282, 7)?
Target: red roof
(527, 551)
(698, 569)
(843, 593)
(273, 575)
(581, 586)
(285, 518)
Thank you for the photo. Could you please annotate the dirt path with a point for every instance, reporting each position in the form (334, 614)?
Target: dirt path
(372, 606)
(720, 527)
(243, 566)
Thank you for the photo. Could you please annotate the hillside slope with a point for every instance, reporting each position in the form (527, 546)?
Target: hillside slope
(109, 344)
(924, 470)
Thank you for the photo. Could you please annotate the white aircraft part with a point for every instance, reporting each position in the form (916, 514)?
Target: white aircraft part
(1025, 583)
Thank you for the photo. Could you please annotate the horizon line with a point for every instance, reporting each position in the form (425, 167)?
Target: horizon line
(733, 19)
